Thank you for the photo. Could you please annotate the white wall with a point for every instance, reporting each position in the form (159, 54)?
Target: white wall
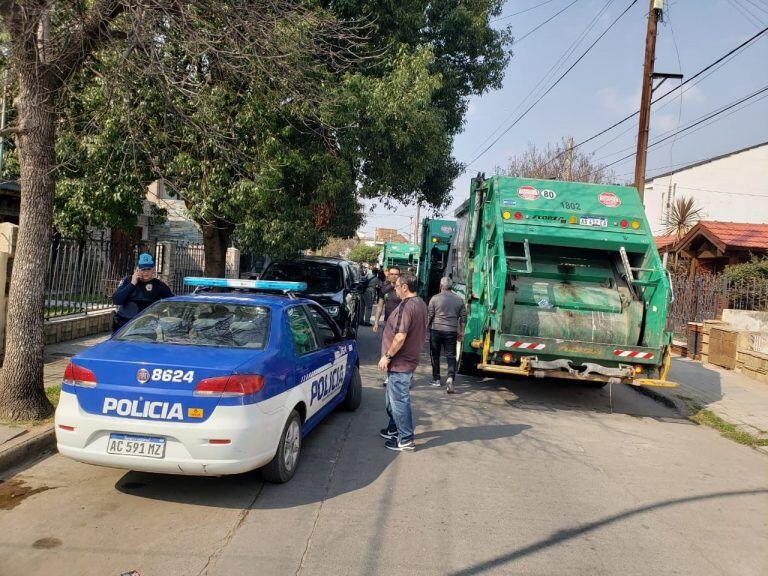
(732, 189)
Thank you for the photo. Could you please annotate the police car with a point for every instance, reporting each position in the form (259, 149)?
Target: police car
(211, 383)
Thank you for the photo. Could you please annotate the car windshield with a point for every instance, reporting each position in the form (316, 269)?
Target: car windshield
(319, 276)
(201, 324)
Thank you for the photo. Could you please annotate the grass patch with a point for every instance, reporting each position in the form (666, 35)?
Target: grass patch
(53, 393)
(726, 429)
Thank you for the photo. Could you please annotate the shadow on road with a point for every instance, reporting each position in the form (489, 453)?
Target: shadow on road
(343, 454)
(554, 395)
(563, 536)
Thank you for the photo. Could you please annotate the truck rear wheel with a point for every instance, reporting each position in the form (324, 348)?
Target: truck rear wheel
(468, 364)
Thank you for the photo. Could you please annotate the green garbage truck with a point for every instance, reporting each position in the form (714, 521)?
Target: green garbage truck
(402, 254)
(436, 236)
(561, 279)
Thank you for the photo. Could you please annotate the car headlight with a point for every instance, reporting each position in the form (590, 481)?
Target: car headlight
(332, 310)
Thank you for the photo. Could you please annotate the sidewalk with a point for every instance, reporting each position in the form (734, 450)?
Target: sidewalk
(735, 398)
(20, 442)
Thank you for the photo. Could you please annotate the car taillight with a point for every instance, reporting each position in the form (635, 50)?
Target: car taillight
(234, 385)
(75, 375)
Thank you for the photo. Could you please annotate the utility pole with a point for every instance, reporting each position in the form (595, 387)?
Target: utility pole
(569, 160)
(415, 235)
(654, 13)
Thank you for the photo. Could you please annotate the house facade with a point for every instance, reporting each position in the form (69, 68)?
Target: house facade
(732, 187)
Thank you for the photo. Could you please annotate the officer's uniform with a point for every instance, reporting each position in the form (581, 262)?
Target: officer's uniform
(131, 300)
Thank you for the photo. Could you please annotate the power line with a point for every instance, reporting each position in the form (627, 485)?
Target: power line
(508, 16)
(699, 73)
(564, 74)
(703, 119)
(549, 74)
(547, 21)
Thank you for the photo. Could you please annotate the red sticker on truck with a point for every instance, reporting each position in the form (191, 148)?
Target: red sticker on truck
(609, 199)
(446, 229)
(528, 193)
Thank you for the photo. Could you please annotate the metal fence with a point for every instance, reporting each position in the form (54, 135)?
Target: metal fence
(751, 294)
(185, 260)
(83, 274)
(704, 297)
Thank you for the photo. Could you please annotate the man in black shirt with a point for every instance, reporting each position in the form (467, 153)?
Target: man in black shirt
(136, 292)
(388, 299)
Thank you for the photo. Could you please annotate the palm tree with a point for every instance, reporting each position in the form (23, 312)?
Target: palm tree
(683, 215)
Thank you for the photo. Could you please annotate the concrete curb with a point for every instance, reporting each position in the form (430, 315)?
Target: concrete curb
(676, 404)
(27, 447)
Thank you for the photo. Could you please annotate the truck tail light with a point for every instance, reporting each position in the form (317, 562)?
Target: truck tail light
(507, 358)
(518, 215)
(228, 386)
(75, 375)
(623, 223)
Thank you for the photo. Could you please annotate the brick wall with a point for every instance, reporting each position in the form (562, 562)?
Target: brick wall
(69, 328)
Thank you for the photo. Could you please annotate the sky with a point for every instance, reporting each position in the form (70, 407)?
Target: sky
(605, 87)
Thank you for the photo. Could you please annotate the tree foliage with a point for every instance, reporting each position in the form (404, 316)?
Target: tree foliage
(683, 215)
(295, 168)
(755, 269)
(549, 163)
(364, 254)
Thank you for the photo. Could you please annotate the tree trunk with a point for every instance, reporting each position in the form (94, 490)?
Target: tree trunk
(216, 236)
(22, 396)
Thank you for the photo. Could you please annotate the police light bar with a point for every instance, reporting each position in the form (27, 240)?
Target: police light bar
(274, 285)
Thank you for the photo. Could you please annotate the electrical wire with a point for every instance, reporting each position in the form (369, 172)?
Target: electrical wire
(547, 21)
(562, 76)
(508, 16)
(717, 62)
(548, 76)
(689, 127)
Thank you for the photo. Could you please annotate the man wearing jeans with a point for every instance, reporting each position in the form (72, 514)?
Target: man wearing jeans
(401, 346)
(447, 316)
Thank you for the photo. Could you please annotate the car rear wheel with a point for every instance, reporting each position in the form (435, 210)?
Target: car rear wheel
(283, 466)
(354, 392)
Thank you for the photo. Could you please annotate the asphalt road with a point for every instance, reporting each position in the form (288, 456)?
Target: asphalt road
(509, 477)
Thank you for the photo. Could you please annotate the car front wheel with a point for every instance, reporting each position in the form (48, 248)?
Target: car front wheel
(283, 466)
(354, 391)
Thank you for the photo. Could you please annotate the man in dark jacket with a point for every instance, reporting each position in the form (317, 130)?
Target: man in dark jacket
(136, 292)
(447, 317)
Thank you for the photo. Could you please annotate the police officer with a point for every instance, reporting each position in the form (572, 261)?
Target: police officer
(136, 292)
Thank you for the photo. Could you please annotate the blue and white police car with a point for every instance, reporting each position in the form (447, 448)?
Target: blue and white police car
(211, 383)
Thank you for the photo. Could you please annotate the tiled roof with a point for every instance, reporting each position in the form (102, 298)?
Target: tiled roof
(737, 234)
(664, 241)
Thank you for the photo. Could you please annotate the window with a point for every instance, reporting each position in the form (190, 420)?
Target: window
(301, 330)
(201, 324)
(319, 276)
(325, 331)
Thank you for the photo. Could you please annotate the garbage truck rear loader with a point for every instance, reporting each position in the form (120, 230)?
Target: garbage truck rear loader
(561, 279)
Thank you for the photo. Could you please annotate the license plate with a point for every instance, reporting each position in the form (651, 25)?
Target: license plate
(592, 221)
(130, 445)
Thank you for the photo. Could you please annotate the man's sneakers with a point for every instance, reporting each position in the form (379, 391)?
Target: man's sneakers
(400, 445)
(388, 434)
(449, 386)
(436, 383)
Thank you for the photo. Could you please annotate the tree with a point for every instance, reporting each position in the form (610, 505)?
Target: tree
(177, 45)
(548, 163)
(682, 216)
(339, 247)
(363, 253)
(383, 129)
